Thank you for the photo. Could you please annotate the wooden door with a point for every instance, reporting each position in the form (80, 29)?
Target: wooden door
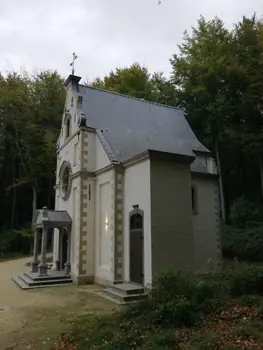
(136, 249)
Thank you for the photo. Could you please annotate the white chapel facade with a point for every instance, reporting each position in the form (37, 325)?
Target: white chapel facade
(140, 189)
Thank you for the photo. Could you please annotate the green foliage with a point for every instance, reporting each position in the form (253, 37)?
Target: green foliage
(244, 243)
(7, 239)
(136, 81)
(163, 339)
(247, 332)
(244, 279)
(243, 211)
(218, 74)
(13, 242)
(250, 300)
(160, 321)
(206, 342)
(31, 108)
(181, 300)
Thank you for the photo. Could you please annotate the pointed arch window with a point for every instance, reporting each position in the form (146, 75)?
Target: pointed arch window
(194, 199)
(67, 128)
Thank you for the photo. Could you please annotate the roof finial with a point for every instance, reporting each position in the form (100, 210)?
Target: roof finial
(72, 64)
(45, 211)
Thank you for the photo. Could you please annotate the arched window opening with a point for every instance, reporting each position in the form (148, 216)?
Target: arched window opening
(67, 128)
(194, 200)
(136, 222)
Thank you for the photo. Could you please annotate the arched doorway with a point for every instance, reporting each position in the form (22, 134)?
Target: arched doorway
(136, 246)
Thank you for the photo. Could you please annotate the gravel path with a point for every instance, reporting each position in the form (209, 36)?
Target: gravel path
(40, 313)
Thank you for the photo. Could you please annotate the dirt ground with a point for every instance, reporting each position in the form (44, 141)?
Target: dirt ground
(33, 318)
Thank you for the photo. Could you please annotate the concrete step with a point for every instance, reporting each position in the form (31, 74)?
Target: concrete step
(24, 282)
(110, 298)
(128, 288)
(35, 276)
(122, 297)
(20, 282)
(49, 281)
(23, 285)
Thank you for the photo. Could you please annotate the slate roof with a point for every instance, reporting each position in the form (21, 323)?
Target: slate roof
(52, 218)
(132, 126)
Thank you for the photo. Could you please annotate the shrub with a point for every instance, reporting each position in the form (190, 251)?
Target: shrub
(178, 300)
(250, 300)
(245, 279)
(162, 339)
(243, 211)
(169, 283)
(7, 239)
(206, 341)
(182, 300)
(245, 243)
(13, 242)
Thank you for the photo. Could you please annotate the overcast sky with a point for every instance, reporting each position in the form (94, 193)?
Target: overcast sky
(42, 34)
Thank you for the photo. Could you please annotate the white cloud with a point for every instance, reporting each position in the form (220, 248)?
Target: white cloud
(42, 34)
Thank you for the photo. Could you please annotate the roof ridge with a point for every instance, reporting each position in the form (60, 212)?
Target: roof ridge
(131, 97)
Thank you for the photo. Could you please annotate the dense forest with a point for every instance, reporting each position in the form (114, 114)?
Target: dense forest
(216, 77)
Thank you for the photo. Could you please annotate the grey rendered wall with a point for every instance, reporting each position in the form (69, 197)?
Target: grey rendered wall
(206, 224)
(172, 232)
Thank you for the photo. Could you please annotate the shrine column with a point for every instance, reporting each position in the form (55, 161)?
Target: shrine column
(59, 252)
(68, 264)
(42, 267)
(34, 263)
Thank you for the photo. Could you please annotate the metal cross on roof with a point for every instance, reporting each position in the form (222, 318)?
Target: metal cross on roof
(72, 64)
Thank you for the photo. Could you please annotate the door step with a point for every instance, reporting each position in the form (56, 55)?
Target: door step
(32, 280)
(124, 293)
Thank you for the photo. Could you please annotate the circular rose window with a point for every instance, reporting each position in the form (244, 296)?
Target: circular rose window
(65, 180)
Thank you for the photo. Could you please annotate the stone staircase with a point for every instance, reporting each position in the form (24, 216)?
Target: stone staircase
(124, 293)
(29, 280)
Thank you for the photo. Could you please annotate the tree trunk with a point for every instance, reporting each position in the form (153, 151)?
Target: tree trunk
(261, 174)
(221, 186)
(12, 223)
(34, 203)
(50, 192)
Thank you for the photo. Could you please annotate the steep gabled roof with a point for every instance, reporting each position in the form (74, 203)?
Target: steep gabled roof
(132, 126)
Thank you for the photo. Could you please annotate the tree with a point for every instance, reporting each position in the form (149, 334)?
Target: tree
(136, 81)
(30, 112)
(133, 81)
(164, 90)
(200, 74)
(248, 41)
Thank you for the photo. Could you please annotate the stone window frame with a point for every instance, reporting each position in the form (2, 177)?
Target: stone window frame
(67, 123)
(135, 211)
(194, 198)
(66, 166)
(80, 101)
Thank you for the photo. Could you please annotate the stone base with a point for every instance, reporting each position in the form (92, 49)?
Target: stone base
(148, 288)
(124, 293)
(42, 269)
(103, 281)
(67, 268)
(81, 280)
(34, 267)
(57, 265)
(29, 280)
